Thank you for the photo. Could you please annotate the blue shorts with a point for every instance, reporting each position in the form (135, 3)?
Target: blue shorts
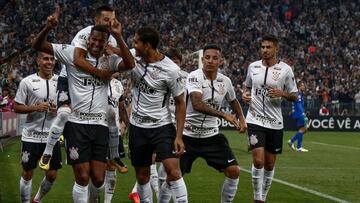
(301, 122)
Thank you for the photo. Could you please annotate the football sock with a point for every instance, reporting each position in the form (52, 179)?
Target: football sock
(179, 191)
(164, 193)
(94, 195)
(145, 193)
(80, 193)
(154, 179)
(229, 189)
(110, 183)
(113, 142)
(25, 190)
(257, 181)
(300, 139)
(268, 177)
(44, 188)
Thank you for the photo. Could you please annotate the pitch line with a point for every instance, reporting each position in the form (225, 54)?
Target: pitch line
(333, 145)
(335, 199)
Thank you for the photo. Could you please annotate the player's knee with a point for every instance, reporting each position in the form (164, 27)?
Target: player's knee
(51, 177)
(98, 181)
(27, 175)
(258, 162)
(63, 113)
(174, 174)
(82, 178)
(232, 172)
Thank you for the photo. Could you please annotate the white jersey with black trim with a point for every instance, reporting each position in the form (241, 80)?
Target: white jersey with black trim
(183, 76)
(264, 110)
(80, 40)
(213, 92)
(89, 98)
(116, 90)
(153, 84)
(34, 90)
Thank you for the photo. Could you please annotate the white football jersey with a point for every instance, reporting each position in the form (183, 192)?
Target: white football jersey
(33, 90)
(264, 110)
(153, 84)
(80, 40)
(201, 125)
(116, 90)
(89, 98)
(183, 76)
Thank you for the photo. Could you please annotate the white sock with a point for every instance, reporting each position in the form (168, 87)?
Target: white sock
(57, 128)
(154, 179)
(94, 193)
(179, 191)
(145, 193)
(162, 175)
(25, 190)
(268, 177)
(80, 193)
(257, 181)
(113, 142)
(110, 183)
(44, 188)
(229, 189)
(164, 193)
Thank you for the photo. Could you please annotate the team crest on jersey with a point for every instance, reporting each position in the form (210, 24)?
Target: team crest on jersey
(74, 153)
(25, 157)
(63, 96)
(155, 73)
(104, 63)
(253, 139)
(276, 75)
(221, 88)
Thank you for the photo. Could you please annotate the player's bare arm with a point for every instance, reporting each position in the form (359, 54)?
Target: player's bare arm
(180, 110)
(123, 113)
(199, 105)
(235, 105)
(81, 63)
(286, 95)
(39, 43)
(23, 108)
(128, 60)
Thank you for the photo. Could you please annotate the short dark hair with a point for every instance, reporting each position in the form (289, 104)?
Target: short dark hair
(103, 8)
(211, 46)
(101, 28)
(149, 35)
(174, 53)
(271, 38)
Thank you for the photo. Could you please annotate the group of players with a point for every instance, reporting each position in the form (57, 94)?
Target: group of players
(86, 110)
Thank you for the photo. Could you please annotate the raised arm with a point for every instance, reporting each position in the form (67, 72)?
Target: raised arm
(40, 43)
(128, 60)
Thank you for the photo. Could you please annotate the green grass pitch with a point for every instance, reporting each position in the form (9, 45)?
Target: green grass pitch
(330, 170)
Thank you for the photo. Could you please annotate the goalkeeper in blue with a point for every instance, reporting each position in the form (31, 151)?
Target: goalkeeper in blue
(298, 113)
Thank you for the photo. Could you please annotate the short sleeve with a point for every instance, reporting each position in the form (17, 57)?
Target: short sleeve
(21, 93)
(230, 95)
(248, 79)
(175, 83)
(193, 83)
(64, 53)
(290, 84)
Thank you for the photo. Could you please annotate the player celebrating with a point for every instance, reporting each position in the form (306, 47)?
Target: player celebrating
(301, 120)
(36, 97)
(86, 132)
(206, 89)
(267, 82)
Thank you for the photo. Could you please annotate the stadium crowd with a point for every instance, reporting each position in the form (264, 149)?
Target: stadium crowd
(320, 39)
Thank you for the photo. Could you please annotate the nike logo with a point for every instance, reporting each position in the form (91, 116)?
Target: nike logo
(231, 160)
(278, 149)
(34, 89)
(255, 74)
(204, 86)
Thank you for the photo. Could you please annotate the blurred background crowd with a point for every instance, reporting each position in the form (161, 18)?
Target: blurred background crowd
(320, 39)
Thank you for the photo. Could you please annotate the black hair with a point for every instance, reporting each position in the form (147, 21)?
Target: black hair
(103, 8)
(271, 38)
(101, 28)
(211, 46)
(174, 53)
(149, 35)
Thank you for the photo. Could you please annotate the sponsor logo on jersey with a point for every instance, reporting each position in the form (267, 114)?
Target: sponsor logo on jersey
(263, 91)
(142, 86)
(190, 80)
(83, 37)
(39, 135)
(92, 81)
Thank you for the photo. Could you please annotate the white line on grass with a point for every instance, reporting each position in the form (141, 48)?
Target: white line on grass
(304, 189)
(333, 145)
